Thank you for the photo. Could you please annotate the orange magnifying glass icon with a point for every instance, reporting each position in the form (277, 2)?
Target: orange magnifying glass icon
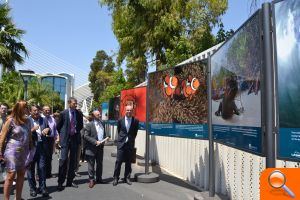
(277, 180)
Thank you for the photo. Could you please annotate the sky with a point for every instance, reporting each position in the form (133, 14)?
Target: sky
(64, 35)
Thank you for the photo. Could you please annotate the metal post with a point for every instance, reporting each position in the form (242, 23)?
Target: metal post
(25, 89)
(268, 73)
(1, 71)
(148, 177)
(210, 135)
(147, 131)
(113, 132)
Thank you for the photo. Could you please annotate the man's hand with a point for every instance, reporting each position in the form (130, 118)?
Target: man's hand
(1, 159)
(36, 127)
(98, 143)
(46, 131)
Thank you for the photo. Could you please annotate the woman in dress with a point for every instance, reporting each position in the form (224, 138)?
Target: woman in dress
(15, 144)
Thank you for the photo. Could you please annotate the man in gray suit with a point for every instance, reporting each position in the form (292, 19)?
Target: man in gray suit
(94, 135)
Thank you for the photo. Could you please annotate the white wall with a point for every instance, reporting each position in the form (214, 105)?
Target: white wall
(236, 172)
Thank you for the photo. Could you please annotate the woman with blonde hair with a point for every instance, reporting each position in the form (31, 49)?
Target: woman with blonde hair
(15, 145)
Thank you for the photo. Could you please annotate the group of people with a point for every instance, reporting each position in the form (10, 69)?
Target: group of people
(28, 137)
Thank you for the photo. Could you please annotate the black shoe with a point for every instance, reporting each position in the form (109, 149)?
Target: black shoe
(45, 192)
(71, 185)
(99, 181)
(60, 187)
(33, 193)
(127, 180)
(49, 176)
(115, 182)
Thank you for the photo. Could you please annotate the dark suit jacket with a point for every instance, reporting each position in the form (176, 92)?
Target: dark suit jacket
(43, 124)
(91, 137)
(123, 134)
(63, 127)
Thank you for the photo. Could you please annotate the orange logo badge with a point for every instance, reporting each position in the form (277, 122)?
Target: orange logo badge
(280, 183)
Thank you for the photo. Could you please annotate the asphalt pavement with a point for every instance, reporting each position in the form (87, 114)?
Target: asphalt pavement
(168, 188)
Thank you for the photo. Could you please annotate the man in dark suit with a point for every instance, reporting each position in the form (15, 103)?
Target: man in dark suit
(39, 131)
(127, 131)
(94, 135)
(49, 144)
(69, 126)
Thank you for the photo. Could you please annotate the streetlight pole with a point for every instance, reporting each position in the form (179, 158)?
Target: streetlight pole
(1, 65)
(25, 89)
(25, 81)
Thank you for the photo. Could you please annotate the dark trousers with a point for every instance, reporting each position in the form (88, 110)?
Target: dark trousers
(68, 153)
(49, 152)
(123, 155)
(39, 159)
(98, 159)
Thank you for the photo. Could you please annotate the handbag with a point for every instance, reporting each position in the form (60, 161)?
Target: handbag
(133, 155)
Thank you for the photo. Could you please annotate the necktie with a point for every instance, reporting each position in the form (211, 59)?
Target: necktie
(128, 124)
(72, 125)
(100, 131)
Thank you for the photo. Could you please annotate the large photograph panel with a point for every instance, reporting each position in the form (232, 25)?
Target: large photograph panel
(236, 93)
(113, 110)
(178, 101)
(104, 109)
(287, 24)
(137, 98)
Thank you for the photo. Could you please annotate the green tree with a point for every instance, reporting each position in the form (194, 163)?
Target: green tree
(11, 88)
(117, 84)
(11, 49)
(42, 94)
(165, 31)
(223, 35)
(101, 73)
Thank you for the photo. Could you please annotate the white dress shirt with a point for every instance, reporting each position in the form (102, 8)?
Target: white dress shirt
(99, 129)
(127, 125)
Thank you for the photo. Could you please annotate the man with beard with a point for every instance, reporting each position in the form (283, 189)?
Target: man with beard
(94, 135)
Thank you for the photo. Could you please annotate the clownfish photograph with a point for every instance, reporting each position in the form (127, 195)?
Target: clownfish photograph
(170, 86)
(190, 86)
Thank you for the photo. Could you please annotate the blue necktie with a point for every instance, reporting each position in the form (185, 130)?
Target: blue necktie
(72, 125)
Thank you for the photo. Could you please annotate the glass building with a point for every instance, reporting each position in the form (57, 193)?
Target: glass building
(62, 83)
(57, 84)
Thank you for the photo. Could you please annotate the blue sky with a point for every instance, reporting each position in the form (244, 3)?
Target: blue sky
(64, 35)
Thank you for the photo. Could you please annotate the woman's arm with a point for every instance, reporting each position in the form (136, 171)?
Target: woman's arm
(3, 135)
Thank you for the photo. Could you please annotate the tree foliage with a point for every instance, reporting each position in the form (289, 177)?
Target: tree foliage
(11, 49)
(165, 31)
(223, 35)
(42, 94)
(105, 81)
(12, 90)
(117, 84)
(100, 75)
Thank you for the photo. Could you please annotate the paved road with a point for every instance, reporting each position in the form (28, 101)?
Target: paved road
(168, 188)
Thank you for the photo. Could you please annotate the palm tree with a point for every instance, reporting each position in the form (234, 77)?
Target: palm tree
(12, 49)
(42, 94)
(11, 88)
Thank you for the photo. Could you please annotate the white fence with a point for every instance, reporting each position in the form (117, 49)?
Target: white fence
(236, 172)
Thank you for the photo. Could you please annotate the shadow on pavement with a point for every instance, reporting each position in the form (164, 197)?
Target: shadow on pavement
(173, 180)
